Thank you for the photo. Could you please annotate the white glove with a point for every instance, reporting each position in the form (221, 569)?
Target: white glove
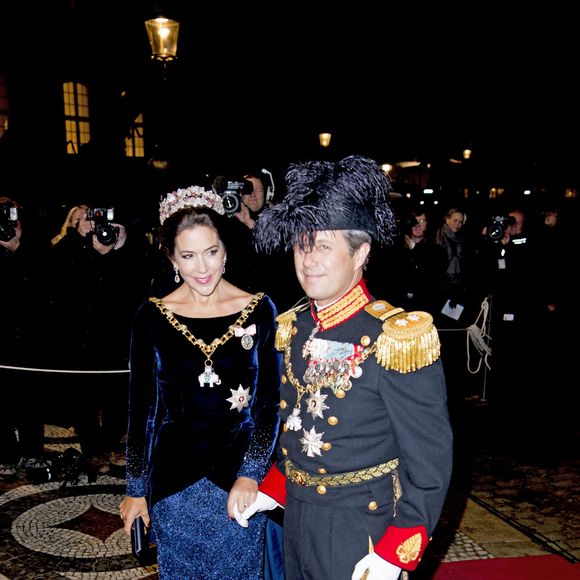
(378, 569)
(243, 522)
(263, 503)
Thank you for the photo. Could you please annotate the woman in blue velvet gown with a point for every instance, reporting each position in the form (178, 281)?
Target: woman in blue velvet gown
(204, 393)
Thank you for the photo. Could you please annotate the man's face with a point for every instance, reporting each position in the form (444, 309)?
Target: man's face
(328, 270)
(418, 230)
(255, 200)
(551, 218)
(517, 228)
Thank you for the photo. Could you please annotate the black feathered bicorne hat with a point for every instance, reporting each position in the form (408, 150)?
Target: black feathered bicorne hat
(351, 194)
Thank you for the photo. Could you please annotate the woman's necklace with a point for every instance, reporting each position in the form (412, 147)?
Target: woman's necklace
(208, 376)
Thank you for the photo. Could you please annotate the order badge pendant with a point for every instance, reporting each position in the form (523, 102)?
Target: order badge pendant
(247, 341)
(294, 421)
(208, 377)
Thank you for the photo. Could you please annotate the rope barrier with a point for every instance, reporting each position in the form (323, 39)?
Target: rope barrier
(480, 338)
(476, 336)
(11, 368)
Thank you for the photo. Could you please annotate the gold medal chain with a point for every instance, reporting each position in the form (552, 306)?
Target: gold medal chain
(208, 349)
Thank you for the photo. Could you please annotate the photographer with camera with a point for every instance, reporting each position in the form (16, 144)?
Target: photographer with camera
(94, 224)
(509, 274)
(244, 199)
(23, 308)
(100, 276)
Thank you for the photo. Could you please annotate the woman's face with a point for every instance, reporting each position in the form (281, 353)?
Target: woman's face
(455, 221)
(200, 256)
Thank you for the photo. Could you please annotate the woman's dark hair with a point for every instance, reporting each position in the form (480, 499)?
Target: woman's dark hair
(189, 218)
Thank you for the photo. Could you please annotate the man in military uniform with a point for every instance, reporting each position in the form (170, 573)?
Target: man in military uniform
(365, 453)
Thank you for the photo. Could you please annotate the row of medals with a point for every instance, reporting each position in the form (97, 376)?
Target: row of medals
(336, 374)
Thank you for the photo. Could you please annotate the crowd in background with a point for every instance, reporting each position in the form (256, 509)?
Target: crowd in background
(508, 270)
(67, 302)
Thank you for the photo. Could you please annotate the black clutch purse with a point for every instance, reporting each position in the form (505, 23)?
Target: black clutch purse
(141, 545)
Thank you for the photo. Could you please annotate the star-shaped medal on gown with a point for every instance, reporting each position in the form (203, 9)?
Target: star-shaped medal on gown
(240, 398)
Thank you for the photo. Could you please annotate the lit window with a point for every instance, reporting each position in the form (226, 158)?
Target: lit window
(134, 143)
(76, 116)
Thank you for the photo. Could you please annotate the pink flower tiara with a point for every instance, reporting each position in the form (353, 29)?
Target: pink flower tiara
(192, 196)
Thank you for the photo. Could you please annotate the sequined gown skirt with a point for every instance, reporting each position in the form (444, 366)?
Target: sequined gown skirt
(197, 540)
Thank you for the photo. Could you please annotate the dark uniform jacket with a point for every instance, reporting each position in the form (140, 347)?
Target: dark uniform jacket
(382, 397)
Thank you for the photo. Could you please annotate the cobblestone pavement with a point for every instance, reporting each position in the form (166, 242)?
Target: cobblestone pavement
(509, 496)
(503, 502)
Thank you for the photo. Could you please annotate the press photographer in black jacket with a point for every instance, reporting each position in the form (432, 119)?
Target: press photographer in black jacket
(101, 275)
(253, 271)
(23, 307)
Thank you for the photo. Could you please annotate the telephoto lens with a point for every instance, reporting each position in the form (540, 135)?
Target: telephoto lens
(231, 191)
(497, 228)
(105, 231)
(40, 472)
(107, 234)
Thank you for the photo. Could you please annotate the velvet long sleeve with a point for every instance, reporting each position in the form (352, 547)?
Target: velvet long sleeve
(142, 401)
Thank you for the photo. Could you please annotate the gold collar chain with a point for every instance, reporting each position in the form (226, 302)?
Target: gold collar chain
(208, 349)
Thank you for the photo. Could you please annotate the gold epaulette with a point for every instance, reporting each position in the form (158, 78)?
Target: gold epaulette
(382, 309)
(409, 340)
(285, 325)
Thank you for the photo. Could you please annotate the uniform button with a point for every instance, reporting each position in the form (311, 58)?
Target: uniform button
(294, 331)
(340, 394)
(321, 470)
(327, 446)
(321, 489)
(365, 340)
(284, 379)
(283, 404)
(332, 421)
(284, 451)
(373, 505)
(285, 428)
